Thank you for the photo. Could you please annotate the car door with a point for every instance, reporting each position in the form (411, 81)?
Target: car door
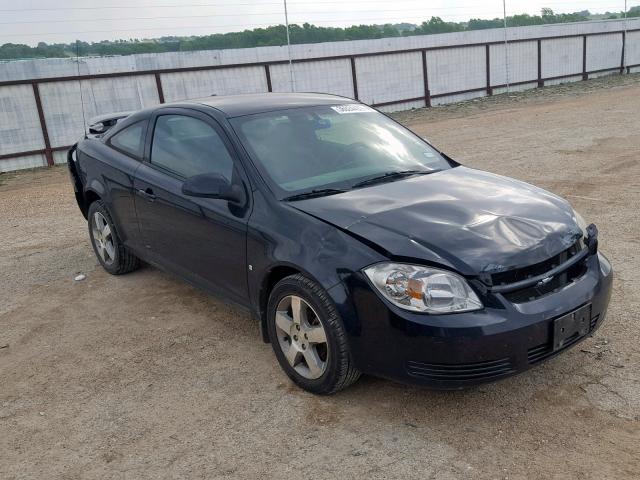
(201, 239)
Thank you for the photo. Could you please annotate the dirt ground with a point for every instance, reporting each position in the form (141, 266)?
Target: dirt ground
(142, 376)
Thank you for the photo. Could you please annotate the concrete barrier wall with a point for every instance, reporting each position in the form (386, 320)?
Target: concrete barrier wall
(41, 100)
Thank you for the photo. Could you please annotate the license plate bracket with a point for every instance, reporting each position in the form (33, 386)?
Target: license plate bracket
(572, 325)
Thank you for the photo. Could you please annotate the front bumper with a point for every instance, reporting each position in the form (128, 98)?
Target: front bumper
(458, 350)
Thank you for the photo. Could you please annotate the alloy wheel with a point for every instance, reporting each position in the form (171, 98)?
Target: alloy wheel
(301, 337)
(103, 238)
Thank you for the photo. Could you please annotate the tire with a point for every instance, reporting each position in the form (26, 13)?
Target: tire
(111, 253)
(316, 366)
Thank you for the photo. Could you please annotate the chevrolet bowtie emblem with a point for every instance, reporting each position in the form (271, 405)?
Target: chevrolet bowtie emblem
(544, 281)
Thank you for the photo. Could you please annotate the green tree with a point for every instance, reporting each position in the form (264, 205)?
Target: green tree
(546, 12)
(276, 35)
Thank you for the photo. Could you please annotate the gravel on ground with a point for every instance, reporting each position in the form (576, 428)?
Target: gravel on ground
(142, 376)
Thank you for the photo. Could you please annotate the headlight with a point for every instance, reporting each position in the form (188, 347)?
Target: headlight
(423, 289)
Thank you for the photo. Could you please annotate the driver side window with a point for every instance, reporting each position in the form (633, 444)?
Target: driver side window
(188, 146)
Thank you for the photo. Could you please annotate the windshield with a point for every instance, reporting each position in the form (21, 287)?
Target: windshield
(332, 147)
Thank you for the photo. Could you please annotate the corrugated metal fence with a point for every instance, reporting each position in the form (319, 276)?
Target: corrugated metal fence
(41, 117)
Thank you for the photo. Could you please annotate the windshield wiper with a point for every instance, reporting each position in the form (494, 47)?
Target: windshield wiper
(392, 176)
(323, 192)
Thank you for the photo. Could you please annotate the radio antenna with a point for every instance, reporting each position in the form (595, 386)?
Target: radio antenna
(84, 119)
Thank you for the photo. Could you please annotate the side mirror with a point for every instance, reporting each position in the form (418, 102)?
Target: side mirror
(213, 185)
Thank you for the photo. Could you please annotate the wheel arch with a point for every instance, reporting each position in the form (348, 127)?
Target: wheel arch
(269, 280)
(89, 197)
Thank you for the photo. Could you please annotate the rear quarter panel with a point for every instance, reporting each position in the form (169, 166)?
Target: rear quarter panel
(109, 175)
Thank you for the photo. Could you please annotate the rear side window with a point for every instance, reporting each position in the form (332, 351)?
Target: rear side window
(188, 146)
(130, 140)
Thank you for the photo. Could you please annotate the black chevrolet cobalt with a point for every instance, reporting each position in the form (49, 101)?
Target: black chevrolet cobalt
(358, 246)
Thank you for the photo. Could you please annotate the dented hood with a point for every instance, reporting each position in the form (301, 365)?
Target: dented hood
(473, 221)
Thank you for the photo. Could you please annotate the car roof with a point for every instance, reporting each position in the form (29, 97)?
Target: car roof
(248, 104)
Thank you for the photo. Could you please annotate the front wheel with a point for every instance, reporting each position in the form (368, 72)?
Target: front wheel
(308, 338)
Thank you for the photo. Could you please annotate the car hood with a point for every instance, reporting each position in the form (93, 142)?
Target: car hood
(472, 221)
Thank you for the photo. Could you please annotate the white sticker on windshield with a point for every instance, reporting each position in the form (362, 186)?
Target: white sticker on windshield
(352, 108)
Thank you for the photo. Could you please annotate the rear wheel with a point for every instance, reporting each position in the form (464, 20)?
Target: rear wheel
(308, 338)
(111, 253)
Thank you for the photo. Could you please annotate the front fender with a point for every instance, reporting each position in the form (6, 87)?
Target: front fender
(286, 240)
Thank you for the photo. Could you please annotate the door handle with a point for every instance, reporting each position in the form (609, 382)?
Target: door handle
(148, 194)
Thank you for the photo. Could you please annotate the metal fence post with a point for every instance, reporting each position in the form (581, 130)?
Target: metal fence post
(540, 80)
(425, 77)
(159, 88)
(488, 69)
(48, 153)
(585, 75)
(267, 74)
(624, 41)
(354, 77)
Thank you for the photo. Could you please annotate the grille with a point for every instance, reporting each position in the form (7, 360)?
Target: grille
(517, 274)
(461, 371)
(559, 281)
(505, 281)
(594, 322)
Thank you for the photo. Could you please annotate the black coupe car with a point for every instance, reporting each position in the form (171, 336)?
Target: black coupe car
(358, 246)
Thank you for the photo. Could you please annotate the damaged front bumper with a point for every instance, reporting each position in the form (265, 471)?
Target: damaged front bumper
(458, 350)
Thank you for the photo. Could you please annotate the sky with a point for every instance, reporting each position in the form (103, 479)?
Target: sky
(32, 21)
